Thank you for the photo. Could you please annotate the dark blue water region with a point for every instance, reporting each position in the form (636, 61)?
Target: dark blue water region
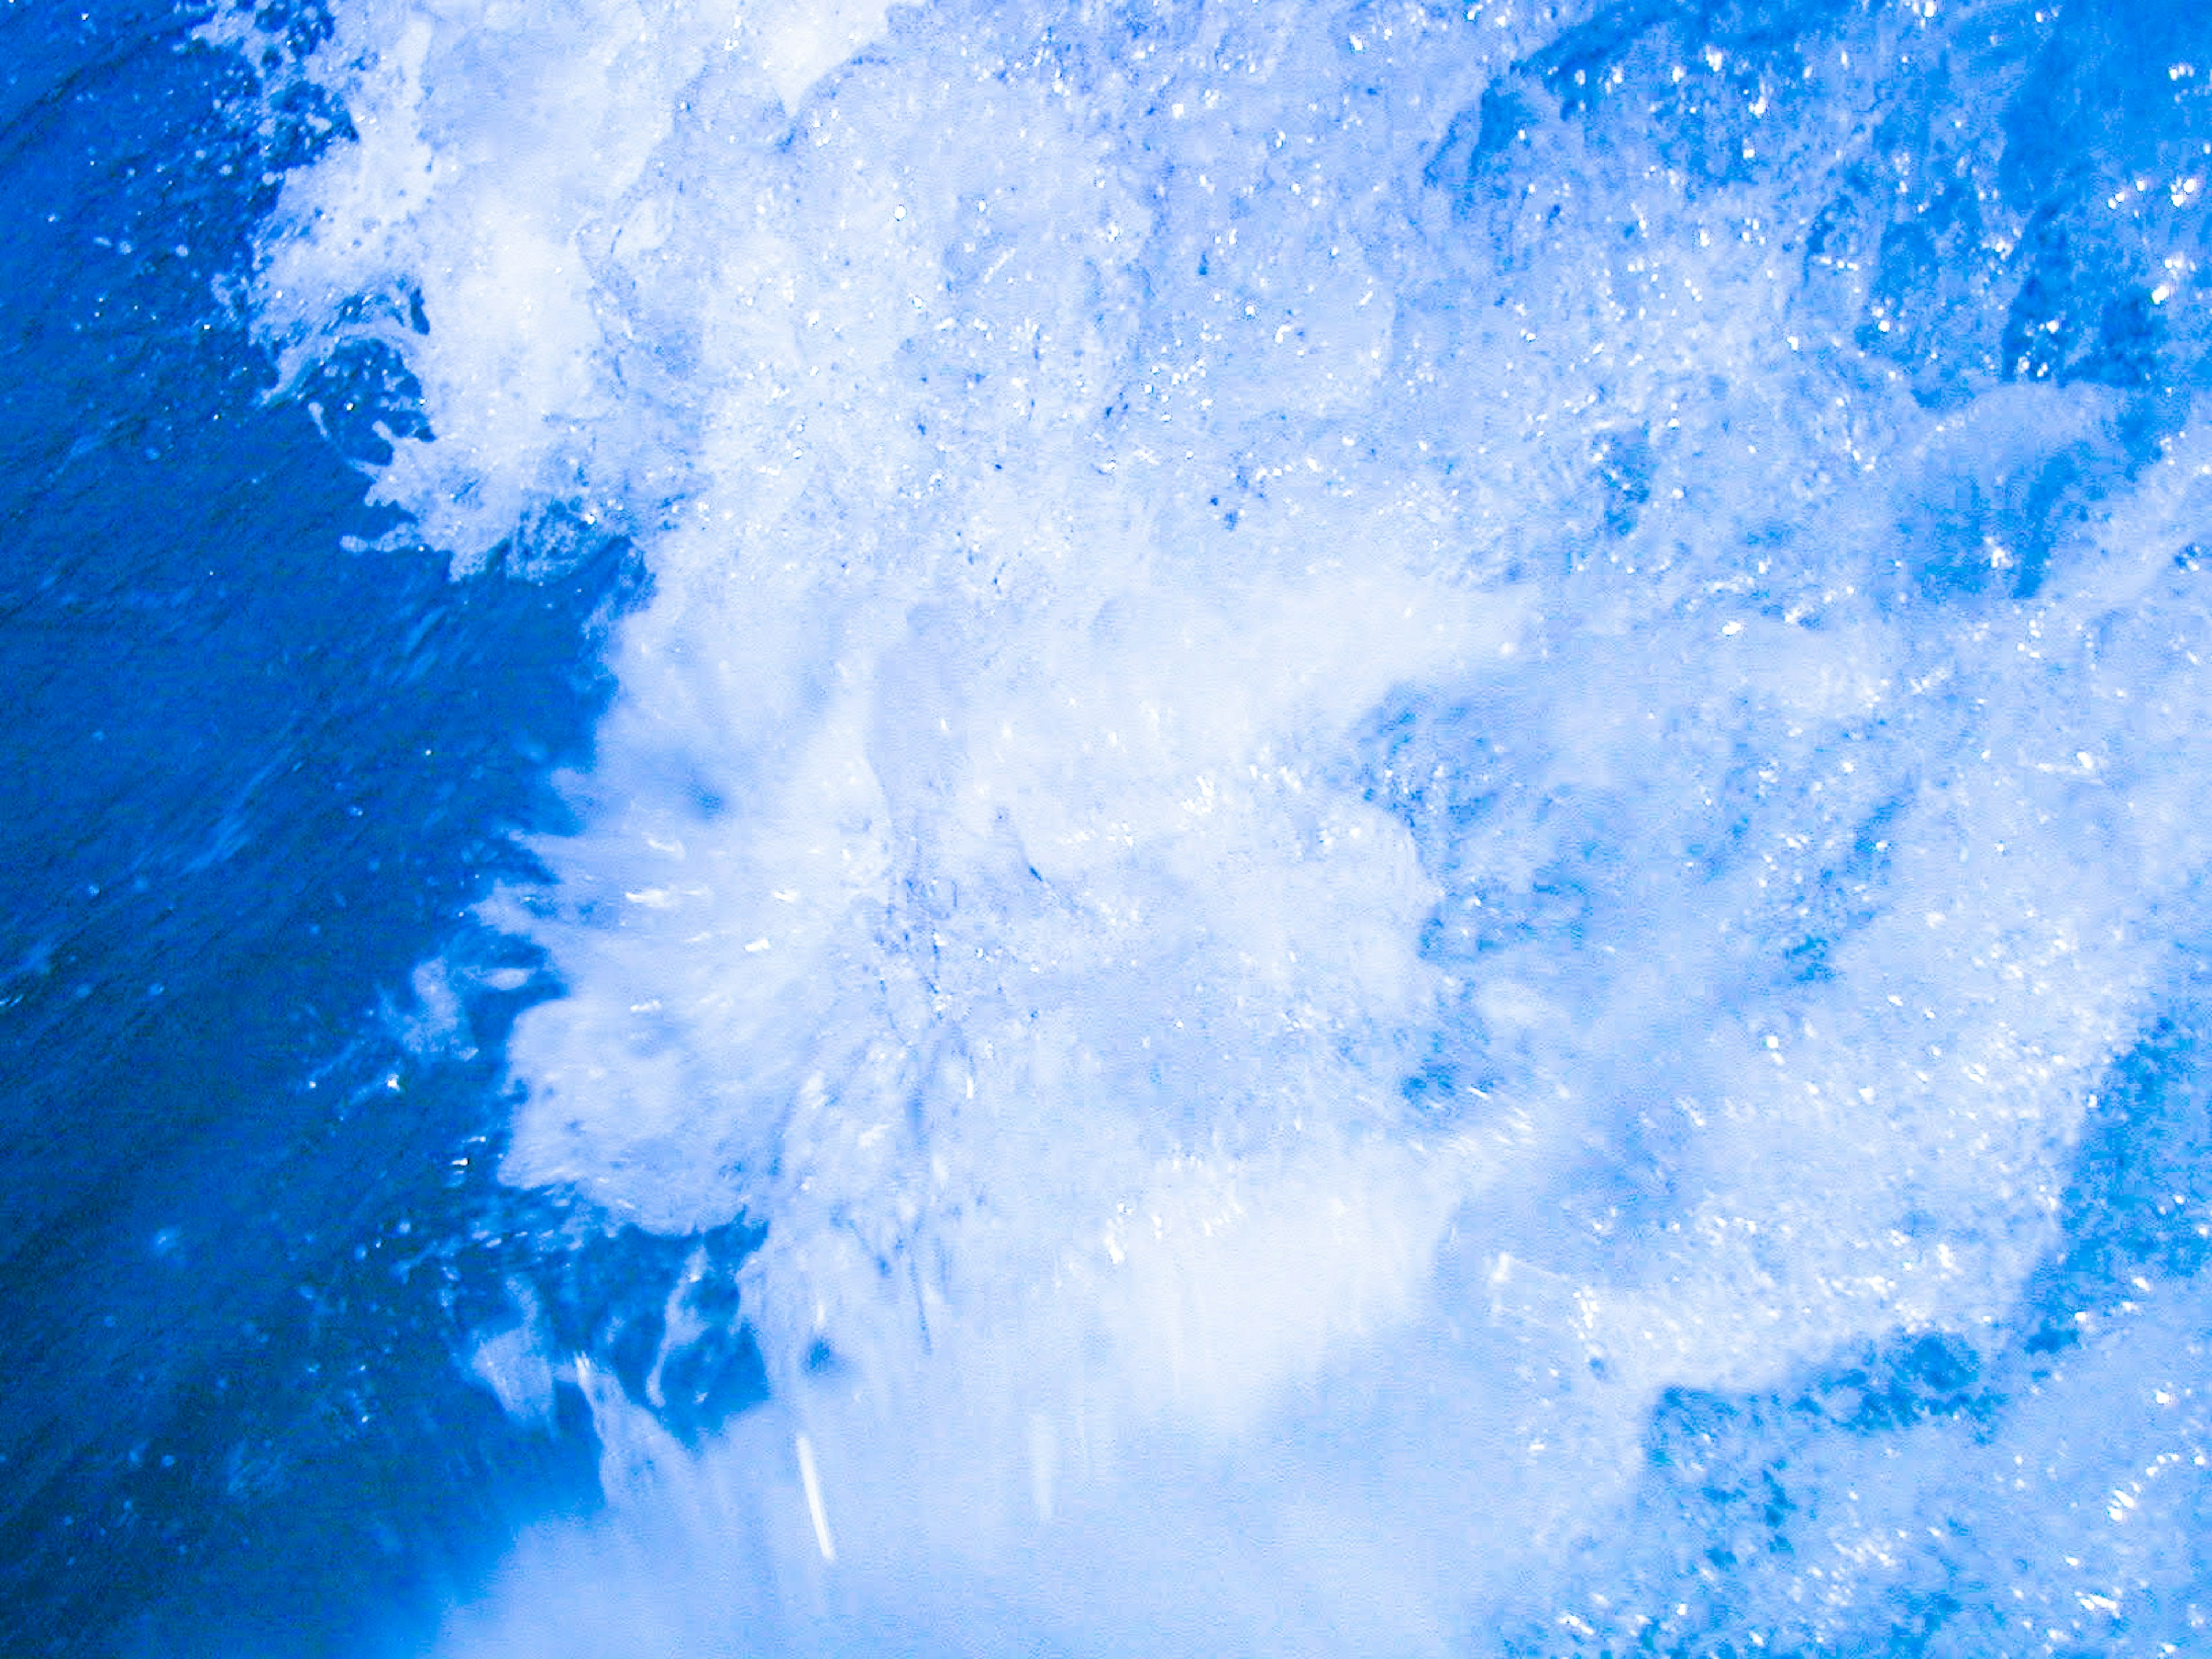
(248, 779)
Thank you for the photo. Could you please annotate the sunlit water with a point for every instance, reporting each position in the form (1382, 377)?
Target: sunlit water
(1404, 795)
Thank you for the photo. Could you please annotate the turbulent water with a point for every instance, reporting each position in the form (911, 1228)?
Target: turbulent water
(1396, 844)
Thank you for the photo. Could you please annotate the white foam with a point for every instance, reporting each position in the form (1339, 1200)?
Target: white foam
(1053, 443)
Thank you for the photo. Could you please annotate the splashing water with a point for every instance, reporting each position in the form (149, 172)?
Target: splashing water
(1362, 731)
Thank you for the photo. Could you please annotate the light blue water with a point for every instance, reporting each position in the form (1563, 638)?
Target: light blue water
(1266, 828)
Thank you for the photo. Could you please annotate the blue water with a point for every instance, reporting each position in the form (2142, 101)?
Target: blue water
(1132, 830)
(250, 778)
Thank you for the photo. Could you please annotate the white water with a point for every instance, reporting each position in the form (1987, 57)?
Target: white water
(1089, 479)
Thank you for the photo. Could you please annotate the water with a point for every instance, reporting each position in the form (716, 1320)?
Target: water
(1266, 828)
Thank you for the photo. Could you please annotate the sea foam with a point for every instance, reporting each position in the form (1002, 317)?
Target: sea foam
(1332, 769)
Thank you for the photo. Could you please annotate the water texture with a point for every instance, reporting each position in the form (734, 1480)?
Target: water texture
(1284, 830)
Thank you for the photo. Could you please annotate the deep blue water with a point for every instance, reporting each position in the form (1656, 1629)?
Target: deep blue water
(267, 755)
(250, 778)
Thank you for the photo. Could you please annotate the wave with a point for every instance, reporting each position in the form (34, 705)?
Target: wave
(1365, 736)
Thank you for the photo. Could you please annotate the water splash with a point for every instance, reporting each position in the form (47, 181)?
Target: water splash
(1362, 733)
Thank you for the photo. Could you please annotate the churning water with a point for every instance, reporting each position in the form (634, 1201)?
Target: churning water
(1397, 842)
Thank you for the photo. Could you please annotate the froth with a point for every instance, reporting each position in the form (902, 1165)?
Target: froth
(1261, 789)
